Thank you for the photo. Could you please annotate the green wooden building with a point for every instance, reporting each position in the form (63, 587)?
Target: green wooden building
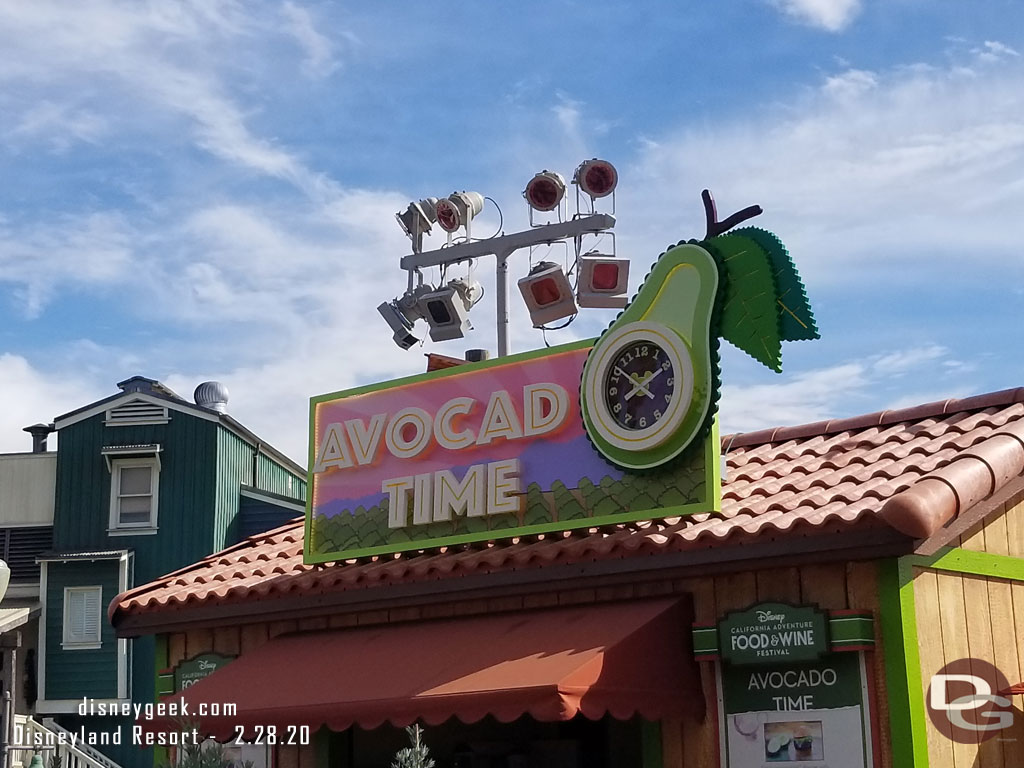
(146, 482)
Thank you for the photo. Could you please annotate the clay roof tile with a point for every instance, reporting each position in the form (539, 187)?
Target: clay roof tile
(913, 469)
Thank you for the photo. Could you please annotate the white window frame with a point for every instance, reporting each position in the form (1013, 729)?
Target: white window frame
(71, 643)
(116, 527)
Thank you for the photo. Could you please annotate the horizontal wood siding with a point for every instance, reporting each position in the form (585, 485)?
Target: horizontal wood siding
(72, 674)
(186, 489)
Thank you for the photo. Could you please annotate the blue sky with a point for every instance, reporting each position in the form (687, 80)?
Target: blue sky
(204, 190)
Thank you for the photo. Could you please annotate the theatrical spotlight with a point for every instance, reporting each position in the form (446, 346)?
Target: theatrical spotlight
(596, 178)
(545, 191)
(458, 209)
(603, 281)
(446, 310)
(547, 294)
(417, 218)
(399, 322)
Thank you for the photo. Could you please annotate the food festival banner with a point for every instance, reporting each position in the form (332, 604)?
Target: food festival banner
(477, 452)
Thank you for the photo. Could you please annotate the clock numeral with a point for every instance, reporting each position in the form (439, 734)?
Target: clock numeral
(645, 351)
(617, 407)
(657, 413)
(613, 390)
(615, 379)
(671, 381)
(666, 365)
(657, 353)
(629, 417)
(668, 398)
(643, 422)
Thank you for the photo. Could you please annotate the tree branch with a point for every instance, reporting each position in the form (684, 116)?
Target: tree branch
(716, 227)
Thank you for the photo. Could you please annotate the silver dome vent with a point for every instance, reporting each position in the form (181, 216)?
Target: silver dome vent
(213, 395)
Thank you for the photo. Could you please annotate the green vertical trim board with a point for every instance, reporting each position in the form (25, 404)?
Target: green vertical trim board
(650, 736)
(161, 660)
(974, 563)
(902, 664)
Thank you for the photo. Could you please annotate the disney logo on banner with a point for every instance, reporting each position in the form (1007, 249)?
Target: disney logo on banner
(205, 664)
(763, 616)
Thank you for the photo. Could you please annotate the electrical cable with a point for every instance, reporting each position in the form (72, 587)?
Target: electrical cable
(501, 218)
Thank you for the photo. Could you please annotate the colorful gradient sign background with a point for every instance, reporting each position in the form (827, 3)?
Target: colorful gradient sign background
(564, 482)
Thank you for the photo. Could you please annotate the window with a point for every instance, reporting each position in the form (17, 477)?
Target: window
(82, 614)
(133, 494)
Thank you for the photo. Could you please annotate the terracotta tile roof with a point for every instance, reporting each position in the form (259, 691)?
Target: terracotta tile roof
(912, 469)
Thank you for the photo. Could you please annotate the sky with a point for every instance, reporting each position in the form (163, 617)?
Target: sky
(206, 189)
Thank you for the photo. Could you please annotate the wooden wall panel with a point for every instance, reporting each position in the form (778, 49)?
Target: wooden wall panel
(176, 649)
(1014, 518)
(779, 585)
(227, 640)
(862, 595)
(825, 586)
(962, 616)
(198, 641)
(699, 739)
(929, 634)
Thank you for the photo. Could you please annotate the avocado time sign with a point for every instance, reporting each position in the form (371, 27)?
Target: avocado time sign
(793, 684)
(773, 632)
(606, 431)
(478, 452)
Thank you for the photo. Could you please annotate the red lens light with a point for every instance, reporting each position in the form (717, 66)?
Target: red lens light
(545, 292)
(543, 194)
(605, 277)
(599, 180)
(447, 216)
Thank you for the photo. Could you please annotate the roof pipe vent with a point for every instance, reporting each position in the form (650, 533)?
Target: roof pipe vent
(39, 434)
(212, 395)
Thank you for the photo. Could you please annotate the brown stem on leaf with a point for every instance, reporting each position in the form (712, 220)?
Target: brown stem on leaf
(716, 227)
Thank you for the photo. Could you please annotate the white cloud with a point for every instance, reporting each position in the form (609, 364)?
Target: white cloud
(839, 390)
(93, 250)
(910, 167)
(31, 395)
(320, 60)
(993, 50)
(832, 15)
(161, 56)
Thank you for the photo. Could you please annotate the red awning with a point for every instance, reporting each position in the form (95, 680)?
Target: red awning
(622, 659)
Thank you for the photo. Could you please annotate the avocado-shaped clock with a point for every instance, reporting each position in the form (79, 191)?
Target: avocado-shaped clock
(650, 384)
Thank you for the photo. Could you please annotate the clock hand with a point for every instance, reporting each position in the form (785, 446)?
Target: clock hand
(641, 386)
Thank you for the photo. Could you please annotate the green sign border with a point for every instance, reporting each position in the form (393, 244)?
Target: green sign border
(806, 612)
(710, 450)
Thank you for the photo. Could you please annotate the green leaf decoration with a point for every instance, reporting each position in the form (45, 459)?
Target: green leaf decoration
(796, 320)
(750, 319)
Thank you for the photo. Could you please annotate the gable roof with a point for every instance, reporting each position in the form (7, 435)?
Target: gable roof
(142, 389)
(867, 486)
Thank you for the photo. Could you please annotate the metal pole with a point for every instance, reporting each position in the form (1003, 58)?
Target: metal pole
(501, 284)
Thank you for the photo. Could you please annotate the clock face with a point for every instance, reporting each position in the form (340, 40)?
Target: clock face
(640, 385)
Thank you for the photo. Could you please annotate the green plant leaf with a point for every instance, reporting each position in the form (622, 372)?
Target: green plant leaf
(796, 320)
(750, 319)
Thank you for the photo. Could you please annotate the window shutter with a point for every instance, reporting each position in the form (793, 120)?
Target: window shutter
(83, 615)
(91, 619)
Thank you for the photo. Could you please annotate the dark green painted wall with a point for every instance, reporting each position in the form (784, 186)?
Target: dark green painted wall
(202, 466)
(72, 674)
(186, 489)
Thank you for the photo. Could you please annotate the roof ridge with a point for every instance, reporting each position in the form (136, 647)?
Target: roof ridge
(974, 475)
(877, 419)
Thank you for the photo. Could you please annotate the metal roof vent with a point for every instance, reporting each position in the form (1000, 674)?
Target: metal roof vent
(213, 395)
